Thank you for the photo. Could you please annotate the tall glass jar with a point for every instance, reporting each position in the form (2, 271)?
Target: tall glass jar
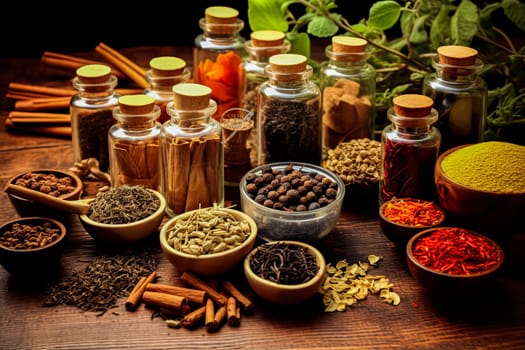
(134, 142)
(192, 151)
(348, 84)
(262, 45)
(217, 56)
(289, 113)
(92, 112)
(164, 73)
(410, 147)
(459, 94)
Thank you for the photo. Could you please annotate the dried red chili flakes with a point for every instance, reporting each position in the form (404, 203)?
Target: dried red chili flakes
(456, 251)
(413, 212)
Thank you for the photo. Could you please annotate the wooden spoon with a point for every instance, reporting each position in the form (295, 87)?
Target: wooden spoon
(74, 206)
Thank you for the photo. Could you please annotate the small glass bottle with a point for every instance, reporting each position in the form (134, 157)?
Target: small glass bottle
(192, 151)
(262, 45)
(459, 94)
(164, 73)
(134, 142)
(348, 84)
(92, 112)
(410, 147)
(289, 113)
(218, 54)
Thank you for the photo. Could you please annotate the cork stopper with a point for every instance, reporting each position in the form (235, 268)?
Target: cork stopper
(191, 96)
(412, 105)
(165, 66)
(456, 55)
(288, 63)
(136, 104)
(267, 38)
(221, 19)
(93, 73)
(348, 44)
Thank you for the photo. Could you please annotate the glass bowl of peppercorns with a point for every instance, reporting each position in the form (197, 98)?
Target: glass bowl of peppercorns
(292, 201)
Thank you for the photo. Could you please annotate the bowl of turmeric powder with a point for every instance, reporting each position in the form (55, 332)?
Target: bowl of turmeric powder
(482, 185)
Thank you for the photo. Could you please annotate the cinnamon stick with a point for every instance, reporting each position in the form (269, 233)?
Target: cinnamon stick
(209, 317)
(38, 90)
(213, 144)
(241, 298)
(21, 117)
(177, 189)
(197, 195)
(193, 295)
(196, 282)
(233, 312)
(136, 294)
(57, 131)
(220, 316)
(43, 103)
(72, 63)
(191, 319)
(129, 68)
(175, 302)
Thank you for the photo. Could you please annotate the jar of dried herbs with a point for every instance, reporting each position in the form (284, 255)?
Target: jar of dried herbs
(192, 151)
(164, 72)
(289, 113)
(134, 142)
(92, 112)
(459, 94)
(410, 147)
(218, 54)
(262, 45)
(348, 84)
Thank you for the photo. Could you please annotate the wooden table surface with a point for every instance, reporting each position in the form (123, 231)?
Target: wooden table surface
(492, 319)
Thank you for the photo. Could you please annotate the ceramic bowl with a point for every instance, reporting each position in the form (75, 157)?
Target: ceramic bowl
(397, 229)
(27, 258)
(26, 207)
(460, 283)
(477, 209)
(125, 233)
(207, 264)
(277, 224)
(279, 293)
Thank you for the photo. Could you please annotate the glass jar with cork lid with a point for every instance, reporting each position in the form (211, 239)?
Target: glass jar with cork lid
(217, 56)
(92, 112)
(134, 142)
(164, 73)
(410, 147)
(289, 113)
(348, 84)
(192, 151)
(459, 94)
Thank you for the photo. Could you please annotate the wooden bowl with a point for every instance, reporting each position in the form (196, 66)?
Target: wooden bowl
(434, 280)
(279, 293)
(399, 232)
(207, 264)
(478, 209)
(24, 258)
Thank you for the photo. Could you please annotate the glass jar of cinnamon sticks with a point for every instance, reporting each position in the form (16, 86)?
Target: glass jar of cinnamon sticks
(134, 142)
(192, 151)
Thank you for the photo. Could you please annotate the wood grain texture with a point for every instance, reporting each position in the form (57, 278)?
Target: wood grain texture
(494, 319)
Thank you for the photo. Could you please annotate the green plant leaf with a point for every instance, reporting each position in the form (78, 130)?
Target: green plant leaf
(464, 23)
(440, 28)
(384, 14)
(322, 27)
(485, 15)
(515, 11)
(406, 22)
(266, 15)
(300, 43)
(419, 33)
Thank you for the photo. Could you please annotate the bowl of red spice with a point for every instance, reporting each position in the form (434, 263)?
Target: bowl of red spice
(453, 259)
(401, 218)
(31, 244)
(285, 272)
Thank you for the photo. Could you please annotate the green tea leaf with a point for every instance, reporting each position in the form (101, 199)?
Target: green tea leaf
(266, 15)
(464, 23)
(515, 11)
(384, 14)
(322, 27)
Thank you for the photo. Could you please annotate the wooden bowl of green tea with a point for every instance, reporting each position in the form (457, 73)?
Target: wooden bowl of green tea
(483, 185)
(285, 272)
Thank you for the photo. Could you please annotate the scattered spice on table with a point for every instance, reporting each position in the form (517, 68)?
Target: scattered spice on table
(456, 251)
(413, 212)
(346, 284)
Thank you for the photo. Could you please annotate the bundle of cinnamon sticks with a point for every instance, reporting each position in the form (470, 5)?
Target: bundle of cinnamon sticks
(44, 110)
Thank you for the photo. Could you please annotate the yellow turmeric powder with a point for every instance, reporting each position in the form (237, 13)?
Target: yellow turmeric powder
(494, 166)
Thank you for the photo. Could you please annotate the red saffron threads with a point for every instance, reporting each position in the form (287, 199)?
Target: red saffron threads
(413, 212)
(456, 251)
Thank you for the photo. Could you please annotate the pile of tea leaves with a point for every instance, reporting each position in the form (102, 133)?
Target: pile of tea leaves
(108, 277)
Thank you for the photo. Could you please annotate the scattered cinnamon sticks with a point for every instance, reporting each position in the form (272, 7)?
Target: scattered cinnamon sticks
(124, 64)
(72, 63)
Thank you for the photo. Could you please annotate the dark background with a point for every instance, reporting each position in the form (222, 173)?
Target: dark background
(28, 29)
